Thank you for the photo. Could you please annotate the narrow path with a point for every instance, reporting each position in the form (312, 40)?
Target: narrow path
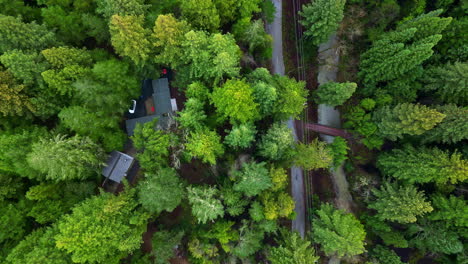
(297, 177)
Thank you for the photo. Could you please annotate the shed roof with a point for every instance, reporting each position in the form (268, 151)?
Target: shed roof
(117, 166)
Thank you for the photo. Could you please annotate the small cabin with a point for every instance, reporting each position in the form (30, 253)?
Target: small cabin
(118, 166)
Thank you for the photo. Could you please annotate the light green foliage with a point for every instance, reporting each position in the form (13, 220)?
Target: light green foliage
(265, 95)
(252, 179)
(335, 94)
(338, 233)
(453, 211)
(205, 205)
(202, 14)
(193, 115)
(39, 247)
(104, 228)
(61, 80)
(168, 35)
(402, 204)
(277, 143)
(129, 38)
(292, 97)
(224, 233)
(202, 252)
(339, 150)
(13, 222)
(276, 205)
(279, 178)
(164, 243)
(385, 255)
(321, 18)
(435, 237)
(61, 158)
(316, 155)
(422, 165)
(108, 8)
(234, 101)
(13, 100)
(452, 129)
(248, 7)
(450, 82)
(153, 145)
(61, 57)
(234, 201)
(292, 249)
(205, 145)
(406, 119)
(24, 66)
(241, 136)
(199, 91)
(14, 34)
(160, 191)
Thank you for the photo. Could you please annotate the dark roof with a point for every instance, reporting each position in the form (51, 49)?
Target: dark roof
(336, 132)
(161, 96)
(117, 166)
(130, 124)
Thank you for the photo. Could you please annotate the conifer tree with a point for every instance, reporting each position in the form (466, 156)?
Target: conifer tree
(406, 119)
(402, 204)
(452, 129)
(13, 100)
(25, 66)
(335, 94)
(205, 145)
(422, 165)
(321, 18)
(252, 179)
(241, 136)
(205, 205)
(434, 237)
(193, 115)
(201, 13)
(277, 143)
(453, 211)
(108, 8)
(292, 249)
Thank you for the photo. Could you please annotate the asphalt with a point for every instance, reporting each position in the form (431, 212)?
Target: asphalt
(297, 177)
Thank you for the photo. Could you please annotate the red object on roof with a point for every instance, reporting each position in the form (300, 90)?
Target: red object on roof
(152, 109)
(164, 71)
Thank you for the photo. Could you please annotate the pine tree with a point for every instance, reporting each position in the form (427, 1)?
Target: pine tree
(25, 66)
(241, 136)
(252, 179)
(452, 129)
(422, 165)
(406, 119)
(202, 14)
(205, 205)
(277, 143)
(205, 145)
(435, 237)
(265, 95)
(321, 18)
(292, 98)
(385, 255)
(13, 101)
(453, 211)
(292, 249)
(335, 94)
(130, 38)
(402, 204)
(450, 82)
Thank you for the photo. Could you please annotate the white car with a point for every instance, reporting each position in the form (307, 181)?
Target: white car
(133, 107)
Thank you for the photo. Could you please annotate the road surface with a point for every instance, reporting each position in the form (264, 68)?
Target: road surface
(297, 177)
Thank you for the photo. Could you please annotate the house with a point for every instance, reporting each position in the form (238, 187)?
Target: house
(117, 167)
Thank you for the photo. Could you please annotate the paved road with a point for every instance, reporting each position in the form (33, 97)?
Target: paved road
(297, 177)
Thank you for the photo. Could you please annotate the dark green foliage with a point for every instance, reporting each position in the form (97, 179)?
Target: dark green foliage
(454, 44)
(292, 250)
(453, 211)
(389, 235)
(385, 256)
(256, 39)
(164, 243)
(250, 241)
(277, 143)
(13, 99)
(11, 186)
(452, 129)
(109, 8)
(13, 221)
(335, 94)
(201, 13)
(435, 237)
(268, 10)
(234, 201)
(252, 179)
(339, 150)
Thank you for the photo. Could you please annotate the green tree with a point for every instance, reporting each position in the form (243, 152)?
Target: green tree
(233, 200)
(205, 205)
(104, 228)
(422, 165)
(60, 57)
(252, 179)
(450, 82)
(402, 204)
(385, 256)
(339, 150)
(205, 145)
(108, 8)
(338, 233)
(168, 35)
(13, 100)
(24, 66)
(315, 155)
(276, 205)
(13, 221)
(250, 241)
(163, 243)
(160, 191)
(63, 158)
(224, 233)
(265, 95)
(321, 18)
(279, 178)
(202, 14)
(235, 102)
(277, 143)
(256, 39)
(389, 235)
(67, 24)
(453, 211)
(292, 98)
(435, 238)
(15, 34)
(335, 94)
(292, 249)
(241, 136)
(452, 129)
(129, 38)
(406, 119)
(193, 115)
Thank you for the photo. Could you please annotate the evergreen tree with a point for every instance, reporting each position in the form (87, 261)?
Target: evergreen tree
(13, 221)
(292, 249)
(104, 228)
(129, 38)
(13, 100)
(265, 95)
(234, 201)
(205, 205)
(241, 136)
(338, 233)
(435, 238)
(422, 165)
(385, 256)
(63, 158)
(205, 145)
(335, 94)
(163, 243)
(165, 183)
(401, 204)
(450, 82)
(202, 14)
(292, 98)
(256, 39)
(452, 129)
(339, 150)
(315, 155)
(24, 66)
(277, 143)
(406, 119)
(193, 115)
(252, 179)
(453, 211)
(321, 18)
(108, 8)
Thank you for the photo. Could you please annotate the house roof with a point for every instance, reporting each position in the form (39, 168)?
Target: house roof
(117, 166)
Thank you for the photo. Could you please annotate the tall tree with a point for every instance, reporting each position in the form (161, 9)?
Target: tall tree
(435, 237)
(235, 102)
(335, 94)
(108, 8)
(163, 243)
(265, 95)
(277, 143)
(104, 228)
(205, 145)
(201, 13)
(63, 158)
(160, 191)
(385, 255)
(315, 155)
(193, 115)
(13, 100)
(402, 204)
(421, 165)
(241, 136)
(453, 211)
(292, 249)
(252, 179)
(321, 18)
(129, 38)
(205, 205)
(406, 119)
(452, 129)
(292, 98)
(25, 66)
(338, 233)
